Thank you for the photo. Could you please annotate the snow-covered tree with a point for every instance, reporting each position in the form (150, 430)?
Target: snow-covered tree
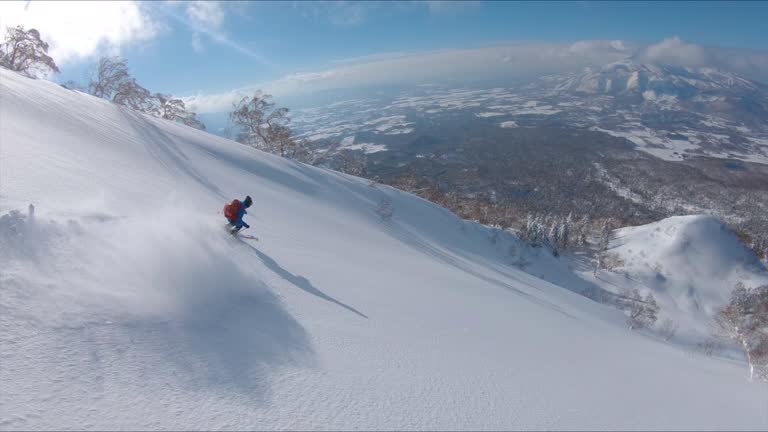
(583, 229)
(605, 234)
(25, 52)
(745, 320)
(554, 234)
(586, 220)
(535, 232)
(528, 229)
(565, 232)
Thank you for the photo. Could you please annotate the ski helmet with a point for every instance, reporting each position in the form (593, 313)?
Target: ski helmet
(248, 201)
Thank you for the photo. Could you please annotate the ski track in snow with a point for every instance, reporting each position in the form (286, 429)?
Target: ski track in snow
(125, 305)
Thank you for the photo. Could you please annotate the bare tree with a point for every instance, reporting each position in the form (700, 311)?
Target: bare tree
(642, 310)
(108, 75)
(74, 85)
(745, 320)
(606, 232)
(111, 80)
(352, 162)
(281, 139)
(174, 109)
(300, 150)
(192, 121)
(263, 125)
(709, 347)
(609, 261)
(385, 210)
(170, 108)
(668, 329)
(130, 94)
(409, 182)
(25, 52)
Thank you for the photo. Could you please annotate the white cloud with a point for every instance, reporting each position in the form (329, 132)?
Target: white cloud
(676, 51)
(206, 13)
(451, 6)
(352, 13)
(219, 102)
(508, 60)
(206, 19)
(339, 13)
(197, 43)
(618, 45)
(372, 57)
(80, 29)
(516, 59)
(599, 47)
(225, 40)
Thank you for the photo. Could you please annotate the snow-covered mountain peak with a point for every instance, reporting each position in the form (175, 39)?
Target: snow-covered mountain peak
(629, 76)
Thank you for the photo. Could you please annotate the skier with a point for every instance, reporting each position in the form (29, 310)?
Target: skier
(234, 212)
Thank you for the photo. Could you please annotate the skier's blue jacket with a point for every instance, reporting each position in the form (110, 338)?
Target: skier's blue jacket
(238, 222)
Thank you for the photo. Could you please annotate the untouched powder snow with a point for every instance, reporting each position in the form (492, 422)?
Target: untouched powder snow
(124, 305)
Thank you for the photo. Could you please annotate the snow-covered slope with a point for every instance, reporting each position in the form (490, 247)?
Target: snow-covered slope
(123, 305)
(689, 263)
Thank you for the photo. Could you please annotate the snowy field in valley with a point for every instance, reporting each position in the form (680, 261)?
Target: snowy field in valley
(124, 305)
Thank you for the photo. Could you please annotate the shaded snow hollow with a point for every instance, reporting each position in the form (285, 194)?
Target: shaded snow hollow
(125, 306)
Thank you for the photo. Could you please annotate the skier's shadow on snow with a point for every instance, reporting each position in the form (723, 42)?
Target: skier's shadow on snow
(300, 281)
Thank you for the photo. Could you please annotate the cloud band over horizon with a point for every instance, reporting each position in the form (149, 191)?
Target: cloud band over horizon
(511, 60)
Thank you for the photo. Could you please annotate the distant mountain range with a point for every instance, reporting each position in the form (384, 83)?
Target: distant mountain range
(649, 81)
(670, 112)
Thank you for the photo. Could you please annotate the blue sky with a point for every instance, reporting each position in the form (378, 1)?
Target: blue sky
(215, 48)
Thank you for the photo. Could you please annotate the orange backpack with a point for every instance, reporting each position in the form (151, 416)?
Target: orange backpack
(231, 209)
